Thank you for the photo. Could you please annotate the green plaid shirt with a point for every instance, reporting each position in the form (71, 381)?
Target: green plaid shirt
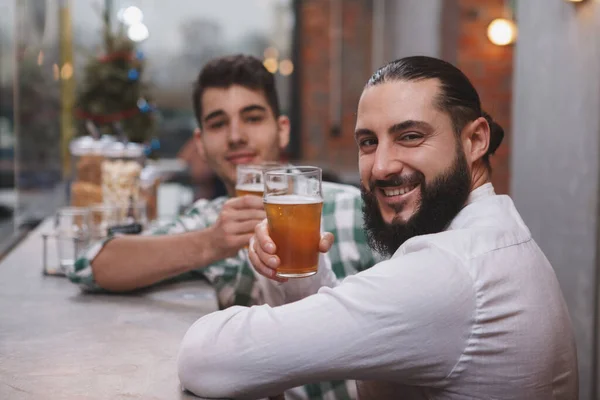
(234, 280)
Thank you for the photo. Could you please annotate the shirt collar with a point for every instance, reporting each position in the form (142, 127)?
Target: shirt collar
(483, 191)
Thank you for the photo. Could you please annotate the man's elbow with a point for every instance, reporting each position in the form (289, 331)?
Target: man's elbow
(112, 275)
(104, 279)
(198, 374)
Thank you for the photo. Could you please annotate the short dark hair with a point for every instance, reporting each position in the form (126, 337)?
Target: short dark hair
(239, 69)
(458, 96)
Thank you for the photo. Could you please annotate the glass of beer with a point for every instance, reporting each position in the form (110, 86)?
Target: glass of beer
(250, 178)
(293, 202)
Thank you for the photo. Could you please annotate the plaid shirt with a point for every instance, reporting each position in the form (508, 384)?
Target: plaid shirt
(234, 280)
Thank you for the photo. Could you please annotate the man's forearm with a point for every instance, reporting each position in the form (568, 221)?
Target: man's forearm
(132, 262)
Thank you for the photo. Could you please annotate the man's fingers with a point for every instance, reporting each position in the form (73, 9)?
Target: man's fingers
(242, 228)
(247, 214)
(268, 259)
(246, 202)
(260, 266)
(326, 242)
(264, 240)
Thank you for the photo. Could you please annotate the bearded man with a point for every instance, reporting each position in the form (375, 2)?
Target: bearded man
(466, 307)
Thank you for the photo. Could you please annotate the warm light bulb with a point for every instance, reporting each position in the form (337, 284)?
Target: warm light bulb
(502, 32)
(66, 72)
(138, 32)
(271, 52)
(131, 15)
(286, 67)
(271, 65)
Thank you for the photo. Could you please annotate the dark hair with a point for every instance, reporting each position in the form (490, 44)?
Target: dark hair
(243, 70)
(458, 97)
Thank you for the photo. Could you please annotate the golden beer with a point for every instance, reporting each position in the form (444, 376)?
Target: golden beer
(252, 189)
(295, 227)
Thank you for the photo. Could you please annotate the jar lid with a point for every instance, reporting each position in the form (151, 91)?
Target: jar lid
(85, 145)
(122, 150)
(134, 150)
(114, 149)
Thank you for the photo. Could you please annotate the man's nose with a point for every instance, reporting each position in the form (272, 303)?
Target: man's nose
(237, 133)
(386, 164)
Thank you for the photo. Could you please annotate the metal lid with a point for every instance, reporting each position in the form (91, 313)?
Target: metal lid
(123, 150)
(88, 145)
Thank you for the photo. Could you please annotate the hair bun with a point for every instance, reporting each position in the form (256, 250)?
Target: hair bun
(496, 134)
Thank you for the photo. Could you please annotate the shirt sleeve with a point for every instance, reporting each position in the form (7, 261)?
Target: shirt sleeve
(195, 218)
(405, 320)
(279, 293)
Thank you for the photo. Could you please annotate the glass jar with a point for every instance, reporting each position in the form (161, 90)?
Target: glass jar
(121, 169)
(86, 161)
(149, 182)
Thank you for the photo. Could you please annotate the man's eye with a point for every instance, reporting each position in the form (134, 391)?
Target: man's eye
(217, 125)
(254, 118)
(367, 142)
(411, 137)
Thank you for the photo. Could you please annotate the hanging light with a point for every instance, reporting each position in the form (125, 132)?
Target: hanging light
(271, 65)
(130, 15)
(502, 31)
(138, 32)
(286, 67)
(271, 52)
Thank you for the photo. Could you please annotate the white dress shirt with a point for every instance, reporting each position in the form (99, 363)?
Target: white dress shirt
(474, 312)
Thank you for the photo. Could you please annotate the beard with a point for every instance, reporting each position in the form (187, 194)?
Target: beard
(441, 200)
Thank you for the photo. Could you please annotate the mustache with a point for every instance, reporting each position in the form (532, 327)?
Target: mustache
(398, 180)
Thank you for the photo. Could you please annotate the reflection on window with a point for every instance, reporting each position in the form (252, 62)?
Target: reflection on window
(182, 36)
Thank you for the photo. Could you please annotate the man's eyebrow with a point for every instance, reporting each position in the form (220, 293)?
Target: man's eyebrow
(253, 107)
(362, 131)
(214, 114)
(399, 127)
(410, 124)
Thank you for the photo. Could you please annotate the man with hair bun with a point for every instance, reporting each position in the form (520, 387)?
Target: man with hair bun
(466, 307)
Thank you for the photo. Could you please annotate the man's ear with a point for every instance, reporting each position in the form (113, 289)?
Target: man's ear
(476, 136)
(283, 125)
(199, 144)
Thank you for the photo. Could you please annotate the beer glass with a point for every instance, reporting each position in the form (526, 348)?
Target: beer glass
(250, 178)
(293, 203)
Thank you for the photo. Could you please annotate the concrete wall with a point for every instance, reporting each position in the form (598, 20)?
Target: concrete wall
(413, 28)
(556, 131)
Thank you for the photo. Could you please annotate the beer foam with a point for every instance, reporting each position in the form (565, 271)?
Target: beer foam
(293, 199)
(251, 187)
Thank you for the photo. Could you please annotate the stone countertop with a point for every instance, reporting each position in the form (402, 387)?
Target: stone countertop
(59, 343)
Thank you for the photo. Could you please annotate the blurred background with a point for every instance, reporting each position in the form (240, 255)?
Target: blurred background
(535, 63)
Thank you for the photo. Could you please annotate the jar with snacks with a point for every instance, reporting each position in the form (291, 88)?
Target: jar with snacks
(86, 161)
(121, 170)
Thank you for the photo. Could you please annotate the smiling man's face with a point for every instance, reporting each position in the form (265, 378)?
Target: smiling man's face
(239, 127)
(414, 174)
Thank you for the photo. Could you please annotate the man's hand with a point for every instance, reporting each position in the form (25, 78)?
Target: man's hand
(236, 224)
(262, 251)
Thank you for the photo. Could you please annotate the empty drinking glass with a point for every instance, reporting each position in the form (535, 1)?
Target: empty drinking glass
(72, 233)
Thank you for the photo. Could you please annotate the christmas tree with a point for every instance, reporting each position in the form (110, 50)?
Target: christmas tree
(113, 95)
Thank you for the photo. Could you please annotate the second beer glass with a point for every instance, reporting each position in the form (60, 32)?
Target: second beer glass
(293, 203)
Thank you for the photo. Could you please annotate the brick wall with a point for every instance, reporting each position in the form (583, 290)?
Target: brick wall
(464, 42)
(326, 131)
(490, 68)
